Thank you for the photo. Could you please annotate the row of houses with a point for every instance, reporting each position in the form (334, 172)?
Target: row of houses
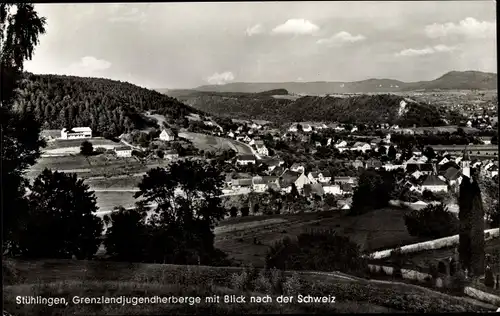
(319, 182)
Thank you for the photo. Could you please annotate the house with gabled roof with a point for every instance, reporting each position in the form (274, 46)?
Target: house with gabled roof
(296, 167)
(258, 184)
(361, 146)
(244, 160)
(453, 176)
(434, 184)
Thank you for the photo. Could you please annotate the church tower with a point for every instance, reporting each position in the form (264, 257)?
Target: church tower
(466, 164)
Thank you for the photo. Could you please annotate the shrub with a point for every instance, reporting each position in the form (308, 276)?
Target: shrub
(458, 282)
(434, 221)
(86, 148)
(316, 250)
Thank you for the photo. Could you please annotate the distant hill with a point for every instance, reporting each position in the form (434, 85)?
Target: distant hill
(381, 108)
(454, 80)
(107, 106)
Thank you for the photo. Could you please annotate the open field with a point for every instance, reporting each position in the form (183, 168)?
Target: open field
(107, 201)
(69, 278)
(379, 229)
(214, 143)
(72, 146)
(449, 129)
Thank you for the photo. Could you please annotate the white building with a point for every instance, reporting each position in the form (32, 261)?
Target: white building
(167, 135)
(361, 146)
(297, 168)
(76, 133)
(244, 160)
(293, 128)
(123, 151)
(307, 128)
(434, 184)
(262, 149)
(332, 189)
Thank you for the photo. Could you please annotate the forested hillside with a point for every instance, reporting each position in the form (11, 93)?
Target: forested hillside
(107, 106)
(358, 109)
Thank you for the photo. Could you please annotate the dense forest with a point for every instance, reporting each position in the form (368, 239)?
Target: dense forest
(358, 109)
(107, 106)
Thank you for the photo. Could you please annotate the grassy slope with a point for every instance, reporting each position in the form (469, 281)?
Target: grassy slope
(67, 278)
(376, 230)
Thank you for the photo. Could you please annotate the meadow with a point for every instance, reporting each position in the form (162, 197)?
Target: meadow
(214, 143)
(69, 278)
(376, 230)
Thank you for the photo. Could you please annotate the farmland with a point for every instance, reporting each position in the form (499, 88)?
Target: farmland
(214, 143)
(366, 230)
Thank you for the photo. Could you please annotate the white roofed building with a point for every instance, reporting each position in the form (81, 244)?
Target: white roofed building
(76, 133)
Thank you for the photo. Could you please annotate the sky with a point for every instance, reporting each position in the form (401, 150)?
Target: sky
(185, 45)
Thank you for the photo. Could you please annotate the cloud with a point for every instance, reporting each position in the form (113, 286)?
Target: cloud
(297, 27)
(341, 38)
(126, 14)
(220, 78)
(87, 66)
(468, 27)
(254, 30)
(425, 51)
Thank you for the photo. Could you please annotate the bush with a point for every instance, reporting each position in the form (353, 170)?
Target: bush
(245, 211)
(86, 148)
(434, 221)
(233, 211)
(318, 251)
(489, 281)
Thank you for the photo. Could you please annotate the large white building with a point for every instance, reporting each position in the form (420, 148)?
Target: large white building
(76, 133)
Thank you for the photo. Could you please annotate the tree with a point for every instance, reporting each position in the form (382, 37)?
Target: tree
(382, 150)
(373, 191)
(471, 237)
(429, 153)
(321, 250)
(61, 219)
(245, 211)
(19, 34)
(127, 236)
(86, 148)
(433, 221)
(186, 206)
(233, 211)
(391, 153)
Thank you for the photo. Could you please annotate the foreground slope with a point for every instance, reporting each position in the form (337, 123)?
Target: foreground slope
(454, 80)
(104, 105)
(69, 278)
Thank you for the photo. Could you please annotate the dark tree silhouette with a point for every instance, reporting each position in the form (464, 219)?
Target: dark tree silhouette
(19, 34)
(233, 211)
(391, 152)
(471, 214)
(434, 221)
(186, 207)
(126, 238)
(321, 250)
(61, 219)
(86, 148)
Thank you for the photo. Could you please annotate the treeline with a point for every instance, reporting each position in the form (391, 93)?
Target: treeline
(107, 106)
(359, 109)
